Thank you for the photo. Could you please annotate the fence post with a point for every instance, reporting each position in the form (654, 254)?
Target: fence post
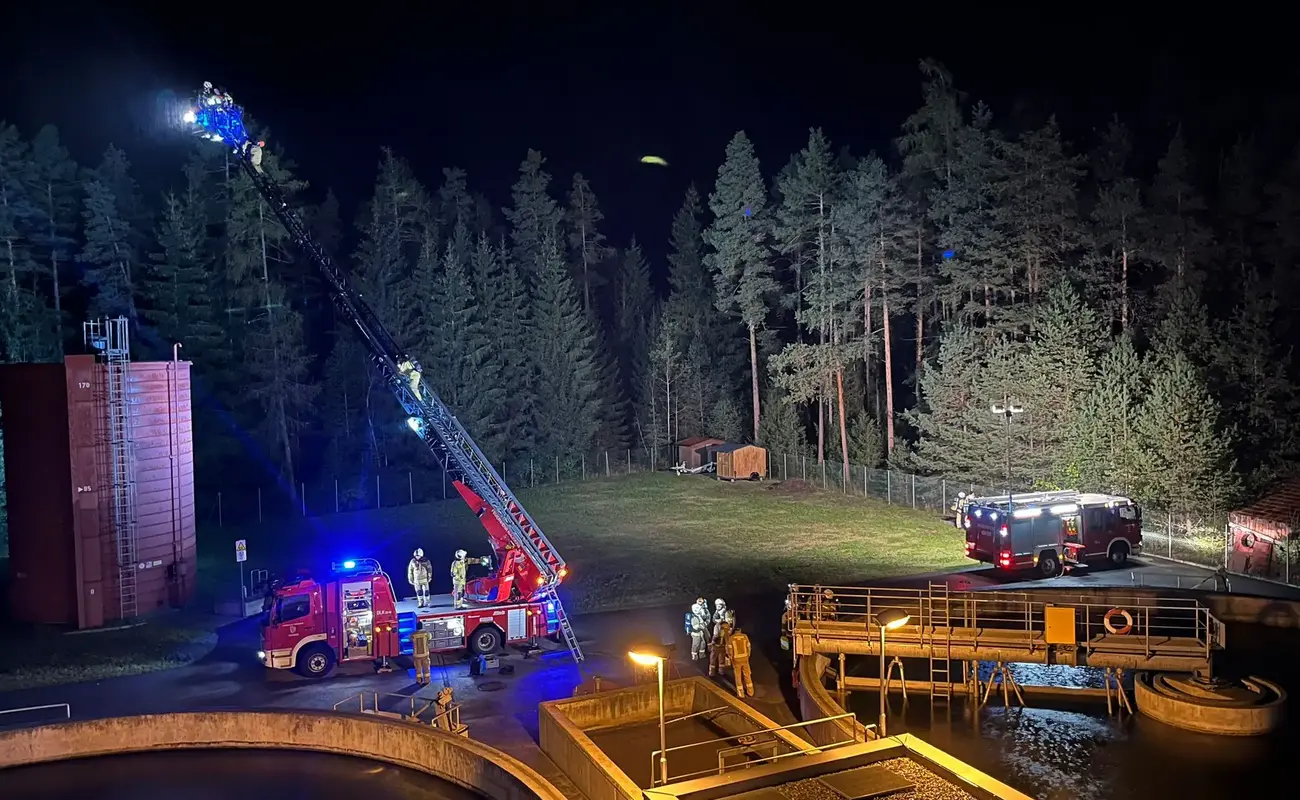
(532, 476)
(410, 487)
(1169, 533)
(866, 476)
(259, 504)
(889, 486)
(823, 473)
(220, 522)
(805, 468)
(584, 466)
(503, 470)
(303, 495)
(629, 461)
(785, 468)
(943, 494)
(557, 469)
(606, 463)
(336, 495)
(913, 491)
(379, 498)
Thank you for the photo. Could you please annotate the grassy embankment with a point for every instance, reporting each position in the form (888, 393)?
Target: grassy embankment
(639, 540)
(631, 541)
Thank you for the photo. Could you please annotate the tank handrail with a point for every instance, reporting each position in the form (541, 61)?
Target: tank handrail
(67, 709)
(720, 709)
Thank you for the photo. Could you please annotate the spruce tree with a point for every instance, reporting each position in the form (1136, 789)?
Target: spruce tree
(534, 215)
(109, 256)
(727, 421)
(565, 365)
(740, 259)
(866, 444)
(782, 431)
(633, 316)
(949, 416)
(1111, 259)
(24, 333)
(53, 187)
(1103, 444)
(1186, 461)
(588, 252)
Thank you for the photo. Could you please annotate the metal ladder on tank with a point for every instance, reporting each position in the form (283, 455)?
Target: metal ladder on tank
(111, 339)
(940, 644)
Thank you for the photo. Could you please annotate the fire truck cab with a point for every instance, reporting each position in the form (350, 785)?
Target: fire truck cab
(1051, 531)
(355, 615)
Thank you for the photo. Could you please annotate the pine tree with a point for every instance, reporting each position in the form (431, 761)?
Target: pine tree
(564, 360)
(866, 444)
(740, 262)
(279, 399)
(507, 314)
(950, 417)
(612, 431)
(534, 215)
(633, 317)
(53, 187)
(587, 248)
(1186, 462)
(23, 334)
(461, 365)
(1104, 445)
(727, 421)
(661, 394)
(1178, 240)
(111, 261)
(1111, 258)
(782, 431)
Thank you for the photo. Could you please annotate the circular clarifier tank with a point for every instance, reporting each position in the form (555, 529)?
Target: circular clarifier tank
(222, 774)
(1251, 706)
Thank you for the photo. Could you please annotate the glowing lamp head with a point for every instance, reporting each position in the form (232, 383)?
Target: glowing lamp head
(349, 564)
(414, 424)
(190, 117)
(648, 655)
(892, 619)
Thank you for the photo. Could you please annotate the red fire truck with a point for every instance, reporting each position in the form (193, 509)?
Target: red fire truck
(1050, 531)
(355, 615)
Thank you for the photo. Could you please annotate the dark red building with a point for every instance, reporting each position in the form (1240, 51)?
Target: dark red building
(66, 551)
(1266, 533)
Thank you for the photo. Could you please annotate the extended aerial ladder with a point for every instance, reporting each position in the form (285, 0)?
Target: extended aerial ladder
(528, 567)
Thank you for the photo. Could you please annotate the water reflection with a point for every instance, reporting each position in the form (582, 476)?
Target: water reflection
(1057, 750)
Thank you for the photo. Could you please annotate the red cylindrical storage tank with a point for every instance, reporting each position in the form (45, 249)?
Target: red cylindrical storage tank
(65, 547)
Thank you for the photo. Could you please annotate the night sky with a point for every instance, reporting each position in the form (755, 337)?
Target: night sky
(594, 90)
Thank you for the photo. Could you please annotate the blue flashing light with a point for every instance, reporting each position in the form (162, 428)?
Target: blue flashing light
(748, 211)
(217, 117)
(949, 255)
(349, 565)
(550, 608)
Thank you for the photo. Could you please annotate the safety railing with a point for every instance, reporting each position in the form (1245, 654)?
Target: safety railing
(851, 611)
(67, 711)
(448, 719)
(747, 742)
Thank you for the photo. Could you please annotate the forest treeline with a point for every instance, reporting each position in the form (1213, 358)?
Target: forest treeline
(856, 308)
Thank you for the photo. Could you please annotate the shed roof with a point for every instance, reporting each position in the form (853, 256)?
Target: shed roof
(731, 447)
(695, 440)
(1280, 504)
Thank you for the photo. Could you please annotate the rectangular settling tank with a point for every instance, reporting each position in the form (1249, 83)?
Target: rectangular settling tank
(63, 539)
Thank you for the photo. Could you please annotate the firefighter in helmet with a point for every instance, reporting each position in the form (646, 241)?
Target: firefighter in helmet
(442, 706)
(420, 654)
(829, 607)
(697, 625)
(459, 571)
(738, 652)
(718, 648)
(719, 614)
(419, 573)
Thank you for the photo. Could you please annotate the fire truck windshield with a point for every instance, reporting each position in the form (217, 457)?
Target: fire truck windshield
(292, 607)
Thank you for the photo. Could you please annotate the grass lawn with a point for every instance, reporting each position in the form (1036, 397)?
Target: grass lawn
(44, 658)
(635, 540)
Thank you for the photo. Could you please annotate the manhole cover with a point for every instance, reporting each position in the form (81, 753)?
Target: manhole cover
(491, 686)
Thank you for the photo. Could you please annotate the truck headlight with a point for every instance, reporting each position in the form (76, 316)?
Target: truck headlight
(261, 655)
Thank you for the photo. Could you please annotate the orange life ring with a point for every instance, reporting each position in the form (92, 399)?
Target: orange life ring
(1109, 622)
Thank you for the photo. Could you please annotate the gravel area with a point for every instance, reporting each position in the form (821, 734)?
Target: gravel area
(929, 786)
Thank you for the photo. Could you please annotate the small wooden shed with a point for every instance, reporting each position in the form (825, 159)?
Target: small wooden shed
(740, 462)
(693, 452)
(1262, 531)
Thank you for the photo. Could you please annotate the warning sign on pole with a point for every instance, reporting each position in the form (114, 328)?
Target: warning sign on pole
(241, 550)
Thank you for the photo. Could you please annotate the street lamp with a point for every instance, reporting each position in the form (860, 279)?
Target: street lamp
(655, 655)
(1007, 411)
(888, 620)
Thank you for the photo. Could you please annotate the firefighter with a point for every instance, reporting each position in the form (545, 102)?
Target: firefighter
(738, 651)
(411, 371)
(719, 614)
(699, 628)
(420, 653)
(419, 573)
(443, 720)
(718, 649)
(829, 608)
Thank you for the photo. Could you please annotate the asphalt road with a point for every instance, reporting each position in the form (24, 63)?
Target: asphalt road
(230, 676)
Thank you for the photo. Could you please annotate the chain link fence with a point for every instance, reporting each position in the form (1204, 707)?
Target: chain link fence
(1202, 540)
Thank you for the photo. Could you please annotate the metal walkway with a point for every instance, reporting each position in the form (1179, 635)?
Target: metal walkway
(1165, 634)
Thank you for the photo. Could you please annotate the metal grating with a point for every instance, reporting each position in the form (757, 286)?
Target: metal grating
(865, 782)
(110, 341)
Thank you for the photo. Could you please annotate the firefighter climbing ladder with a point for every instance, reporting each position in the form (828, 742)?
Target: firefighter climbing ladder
(941, 652)
(431, 420)
(110, 339)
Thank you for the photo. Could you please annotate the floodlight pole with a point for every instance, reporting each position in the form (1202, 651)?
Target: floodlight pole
(663, 729)
(1007, 410)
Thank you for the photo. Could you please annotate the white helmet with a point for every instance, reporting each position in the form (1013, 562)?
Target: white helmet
(419, 553)
(460, 554)
(719, 604)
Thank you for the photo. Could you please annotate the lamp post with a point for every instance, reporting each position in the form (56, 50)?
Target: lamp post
(888, 620)
(1007, 411)
(655, 655)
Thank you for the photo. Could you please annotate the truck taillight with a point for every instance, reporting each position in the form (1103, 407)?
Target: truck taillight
(1003, 531)
(970, 546)
(1004, 558)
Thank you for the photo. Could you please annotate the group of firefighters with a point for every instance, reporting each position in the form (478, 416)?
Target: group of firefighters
(718, 638)
(419, 573)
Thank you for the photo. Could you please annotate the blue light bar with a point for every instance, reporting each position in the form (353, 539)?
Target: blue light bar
(349, 565)
(216, 117)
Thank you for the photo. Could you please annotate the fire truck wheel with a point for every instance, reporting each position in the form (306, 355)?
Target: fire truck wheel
(1118, 554)
(315, 662)
(485, 640)
(1049, 565)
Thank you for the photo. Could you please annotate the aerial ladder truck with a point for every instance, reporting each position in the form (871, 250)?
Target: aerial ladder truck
(528, 568)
